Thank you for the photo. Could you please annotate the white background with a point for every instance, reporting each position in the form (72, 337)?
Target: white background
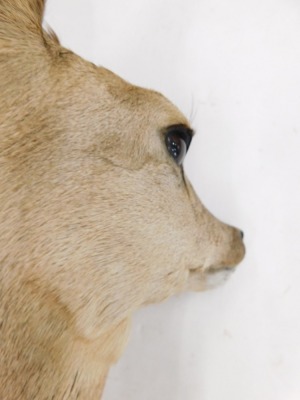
(233, 67)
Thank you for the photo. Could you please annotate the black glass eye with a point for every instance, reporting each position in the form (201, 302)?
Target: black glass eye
(178, 140)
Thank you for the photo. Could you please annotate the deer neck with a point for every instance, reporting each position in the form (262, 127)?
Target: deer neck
(42, 357)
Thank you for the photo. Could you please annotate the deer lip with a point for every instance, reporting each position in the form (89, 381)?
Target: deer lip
(212, 269)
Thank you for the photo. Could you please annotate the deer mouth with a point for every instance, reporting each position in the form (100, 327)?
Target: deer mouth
(200, 279)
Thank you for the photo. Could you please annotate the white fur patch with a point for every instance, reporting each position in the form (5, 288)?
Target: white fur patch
(214, 279)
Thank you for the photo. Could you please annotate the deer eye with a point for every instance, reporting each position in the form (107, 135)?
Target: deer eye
(178, 140)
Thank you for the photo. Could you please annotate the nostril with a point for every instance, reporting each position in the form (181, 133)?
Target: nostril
(242, 234)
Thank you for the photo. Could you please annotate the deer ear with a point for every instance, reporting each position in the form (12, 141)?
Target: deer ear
(20, 16)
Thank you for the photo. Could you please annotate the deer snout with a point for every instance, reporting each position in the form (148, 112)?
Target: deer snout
(230, 251)
(237, 249)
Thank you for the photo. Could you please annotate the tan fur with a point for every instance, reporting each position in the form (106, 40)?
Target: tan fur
(96, 218)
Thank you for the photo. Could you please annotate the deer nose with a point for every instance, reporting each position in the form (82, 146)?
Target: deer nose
(242, 234)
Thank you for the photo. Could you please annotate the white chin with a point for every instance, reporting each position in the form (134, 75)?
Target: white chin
(200, 280)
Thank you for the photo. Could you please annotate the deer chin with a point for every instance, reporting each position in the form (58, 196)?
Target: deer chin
(205, 279)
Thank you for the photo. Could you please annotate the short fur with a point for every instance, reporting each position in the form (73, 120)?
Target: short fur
(96, 218)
